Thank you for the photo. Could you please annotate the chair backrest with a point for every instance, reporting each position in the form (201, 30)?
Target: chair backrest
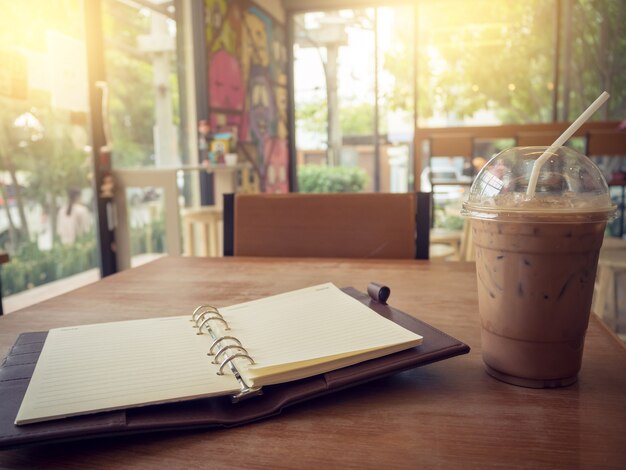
(601, 142)
(330, 225)
(536, 139)
(452, 145)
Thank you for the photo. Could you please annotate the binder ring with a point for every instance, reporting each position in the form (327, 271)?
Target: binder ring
(220, 339)
(207, 306)
(207, 320)
(230, 358)
(225, 348)
(204, 313)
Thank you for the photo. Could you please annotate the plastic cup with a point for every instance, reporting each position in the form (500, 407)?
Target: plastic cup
(536, 261)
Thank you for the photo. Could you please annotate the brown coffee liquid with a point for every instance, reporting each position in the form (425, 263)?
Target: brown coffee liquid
(535, 286)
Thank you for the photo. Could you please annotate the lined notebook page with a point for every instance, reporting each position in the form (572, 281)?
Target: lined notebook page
(316, 325)
(116, 365)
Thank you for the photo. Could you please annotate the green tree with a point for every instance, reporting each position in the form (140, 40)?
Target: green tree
(499, 56)
(129, 75)
(24, 26)
(11, 162)
(312, 116)
(495, 58)
(55, 165)
(598, 56)
(355, 118)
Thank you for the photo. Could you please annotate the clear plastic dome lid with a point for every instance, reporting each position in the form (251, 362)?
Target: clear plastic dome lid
(568, 183)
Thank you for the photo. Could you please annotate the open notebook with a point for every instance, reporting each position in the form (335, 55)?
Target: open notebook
(230, 351)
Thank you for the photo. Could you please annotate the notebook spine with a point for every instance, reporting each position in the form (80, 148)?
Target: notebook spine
(225, 348)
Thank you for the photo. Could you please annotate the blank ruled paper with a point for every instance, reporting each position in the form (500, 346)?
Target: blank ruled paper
(116, 365)
(310, 331)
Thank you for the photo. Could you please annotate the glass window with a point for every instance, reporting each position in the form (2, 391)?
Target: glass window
(354, 99)
(594, 57)
(140, 63)
(46, 197)
(482, 62)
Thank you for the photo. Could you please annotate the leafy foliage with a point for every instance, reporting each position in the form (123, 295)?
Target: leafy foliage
(312, 116)
(487, 55)
(498, 58)
(129, 73)
(357, 119)
(30, 267)
(598, 56)
(324, 179)
(148, 238)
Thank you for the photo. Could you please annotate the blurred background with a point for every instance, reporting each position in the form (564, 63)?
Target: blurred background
(101, 98)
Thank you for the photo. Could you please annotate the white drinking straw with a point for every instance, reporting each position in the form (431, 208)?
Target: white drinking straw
(534, 175)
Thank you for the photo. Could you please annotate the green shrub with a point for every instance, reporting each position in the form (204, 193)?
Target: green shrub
(30, 267)
(148, 238)
(325, 179)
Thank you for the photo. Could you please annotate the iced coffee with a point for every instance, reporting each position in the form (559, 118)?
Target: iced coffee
(536, 261)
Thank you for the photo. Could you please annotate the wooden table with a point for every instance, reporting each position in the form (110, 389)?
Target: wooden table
(446, 415)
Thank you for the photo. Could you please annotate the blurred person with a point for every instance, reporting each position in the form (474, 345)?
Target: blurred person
(72, 220)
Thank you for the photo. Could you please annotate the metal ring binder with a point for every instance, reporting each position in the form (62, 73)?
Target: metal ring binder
(227, 347)
(219, 340)
(207, 320)
(200, 307)
(201, 316)
(230, 358)
(207, 312)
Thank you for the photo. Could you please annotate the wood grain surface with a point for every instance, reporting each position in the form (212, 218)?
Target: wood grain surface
(446, 415)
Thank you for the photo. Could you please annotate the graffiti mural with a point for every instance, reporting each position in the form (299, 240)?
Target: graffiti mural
(247, 79)
(222, 19)
(226, 91)
(277, 150)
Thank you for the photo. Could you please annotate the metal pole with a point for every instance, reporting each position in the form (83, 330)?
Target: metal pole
(557, 56)
(291, 105)
(567, 55)
(417, 151)
(200, 55)
(376, 109)
(101, 156)
(334, 126)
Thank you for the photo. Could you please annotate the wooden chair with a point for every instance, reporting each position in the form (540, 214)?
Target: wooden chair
(208, 219)
(451, 238)
(606, 142)
(452, 145)
(332, 225)
(536, 139)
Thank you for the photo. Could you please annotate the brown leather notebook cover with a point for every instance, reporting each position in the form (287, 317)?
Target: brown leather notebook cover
(18, 367)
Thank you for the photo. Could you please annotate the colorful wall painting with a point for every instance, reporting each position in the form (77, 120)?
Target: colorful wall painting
(247, 80)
